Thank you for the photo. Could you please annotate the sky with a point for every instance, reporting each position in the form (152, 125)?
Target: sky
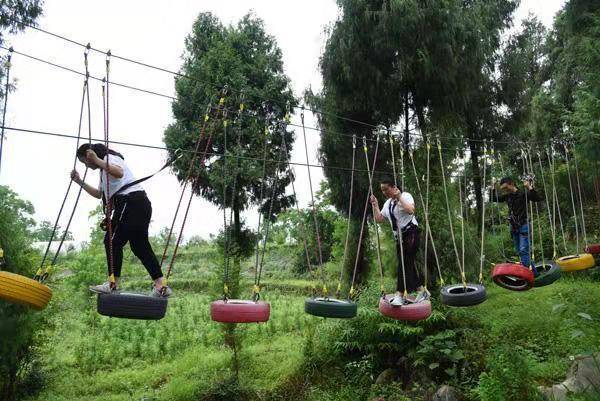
(37, 167)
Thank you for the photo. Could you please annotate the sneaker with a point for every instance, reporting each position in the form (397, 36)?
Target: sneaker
(422, 296)
(165, 292)
(102, 288)
(397, 300)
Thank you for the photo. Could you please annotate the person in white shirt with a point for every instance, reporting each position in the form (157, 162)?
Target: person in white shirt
(131, 215)
(399, 209)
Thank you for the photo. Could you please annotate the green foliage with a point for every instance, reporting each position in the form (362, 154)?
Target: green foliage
(508, 377)
(44, 232)
(19, 326)
(439, 353)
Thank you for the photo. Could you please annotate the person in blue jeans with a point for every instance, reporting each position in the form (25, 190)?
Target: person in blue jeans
(517, 200)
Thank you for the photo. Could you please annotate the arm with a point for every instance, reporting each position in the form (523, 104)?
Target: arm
(88, 188)
(408, 205)
(532, 194)
(113, 169)
(380, 218)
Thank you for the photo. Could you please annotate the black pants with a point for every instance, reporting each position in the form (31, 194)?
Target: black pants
(130, 221)
(410, 246)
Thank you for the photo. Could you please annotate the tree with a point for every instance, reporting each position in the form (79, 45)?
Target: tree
(246, 60)
(11, 12)
(44, 232)
(18, 324)
(387, 60)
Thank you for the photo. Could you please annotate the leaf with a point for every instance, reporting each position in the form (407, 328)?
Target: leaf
(450, 371)
(585, 316)
(577, 333)
(433, 365)
(557, 307)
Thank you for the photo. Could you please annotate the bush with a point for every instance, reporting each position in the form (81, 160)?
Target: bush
(508, 377)
(18, 324)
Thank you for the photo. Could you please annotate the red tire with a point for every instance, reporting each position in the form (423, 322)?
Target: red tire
(408, 312)
(593, 249)
(513, 276)
(239, 311)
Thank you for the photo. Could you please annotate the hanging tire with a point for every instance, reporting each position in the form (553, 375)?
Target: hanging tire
(239, 311)
(408, 312)
(548, 272)
(330, 307)
(458, 295)
(594, 249)
(22, 290)
(513, 276)
(573, 263)
(128, 305)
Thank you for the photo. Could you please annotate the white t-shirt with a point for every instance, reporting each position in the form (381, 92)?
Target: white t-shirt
(116, 183)
(393, 206)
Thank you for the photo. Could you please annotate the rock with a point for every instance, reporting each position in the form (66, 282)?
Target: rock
(445, 393)
(387, 376)
(583, 375)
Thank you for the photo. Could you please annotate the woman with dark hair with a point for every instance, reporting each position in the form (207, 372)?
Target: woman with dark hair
(131, 215)
(399, 209)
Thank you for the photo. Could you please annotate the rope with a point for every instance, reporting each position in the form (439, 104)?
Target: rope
(225, 230)
(256, 294)
(339, 286)
(233, 200)
(462, 225)
(585, 240)
(531, 250)
(425, 205)
(6, 89)
(572, 197)
(555, 203)
(458, 262)
(485, 154)
(185, 183)
(399, 233)
(86, 94)
(370, 176)
(503, 172)
(313, 206)
(303, 231)
(256, 290)
(313, 110)
(189, 203)
(108, 208)
(537, 213)
(550, 219)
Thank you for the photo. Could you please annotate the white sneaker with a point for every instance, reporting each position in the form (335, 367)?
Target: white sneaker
(164, 292)
(422, 296)
(102, 288)
(397, 300)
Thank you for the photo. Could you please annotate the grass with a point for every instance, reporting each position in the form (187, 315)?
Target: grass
(182, 357)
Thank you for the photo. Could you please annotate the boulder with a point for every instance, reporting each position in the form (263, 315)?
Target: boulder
(387, 376)
(446, 393)
(582, 376)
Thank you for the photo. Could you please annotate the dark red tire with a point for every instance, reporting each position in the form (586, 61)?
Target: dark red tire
(513, 276)
(239, 311)
(594, 249)
(408, 312)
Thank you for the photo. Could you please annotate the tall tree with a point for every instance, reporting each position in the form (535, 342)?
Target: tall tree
(246, 60)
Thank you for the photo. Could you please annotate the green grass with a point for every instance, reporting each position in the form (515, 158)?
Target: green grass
(183, 357)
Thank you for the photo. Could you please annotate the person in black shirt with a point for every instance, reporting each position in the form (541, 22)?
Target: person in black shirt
(517, 200)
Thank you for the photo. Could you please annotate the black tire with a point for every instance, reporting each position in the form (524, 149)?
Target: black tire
(455, 295)
(330, 307)
(548, 271)
(132, 306)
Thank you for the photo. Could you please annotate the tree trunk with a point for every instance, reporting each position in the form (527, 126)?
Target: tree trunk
(597, 190)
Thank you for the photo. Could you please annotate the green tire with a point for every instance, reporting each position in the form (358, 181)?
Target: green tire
(330, 307)
(548, 271)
